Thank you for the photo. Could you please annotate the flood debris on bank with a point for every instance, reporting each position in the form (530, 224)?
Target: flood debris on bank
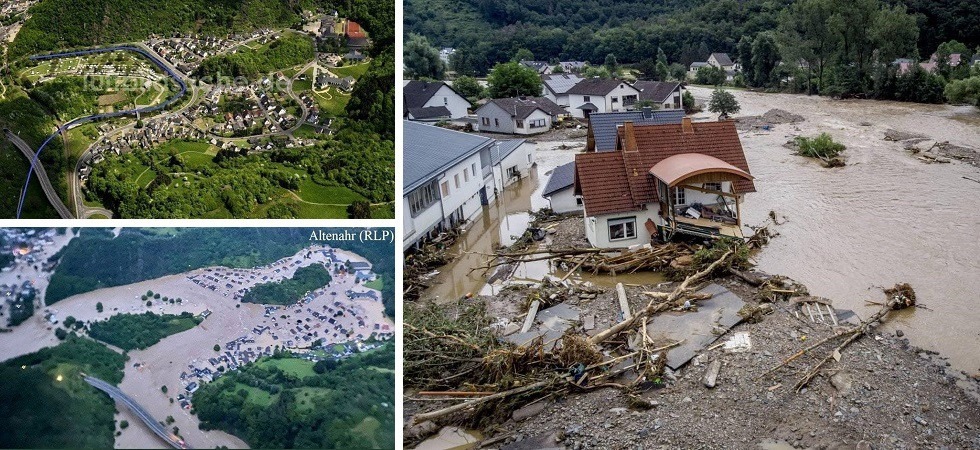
(567, 364)
(931, 151)
(421, 264)
(767, 121)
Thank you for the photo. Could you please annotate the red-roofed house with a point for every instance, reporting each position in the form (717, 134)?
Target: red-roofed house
(354, 30)
(662, 180)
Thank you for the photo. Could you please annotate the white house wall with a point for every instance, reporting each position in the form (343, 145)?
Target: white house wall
(500, 121)
(447, 97)
(564, 201)
(467, 197)
(522, 158)
(536, 115)
(597, 228)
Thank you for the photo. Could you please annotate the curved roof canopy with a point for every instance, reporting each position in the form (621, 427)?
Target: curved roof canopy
(680, 167)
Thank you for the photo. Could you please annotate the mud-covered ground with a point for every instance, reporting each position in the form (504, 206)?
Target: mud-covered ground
(883, 392)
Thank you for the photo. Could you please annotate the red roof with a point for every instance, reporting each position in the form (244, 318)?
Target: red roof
(354, 30)
(620, 181)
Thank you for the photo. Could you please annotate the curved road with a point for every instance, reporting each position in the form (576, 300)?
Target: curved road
(162, 63)
(42, 176)
(147, 419)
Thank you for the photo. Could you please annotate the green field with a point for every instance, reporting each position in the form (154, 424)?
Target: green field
(80, 138)
(300, 368)
(255, 395)
(331, 102)
(355, 71)
(378, 284)
(306, 131)
(312, 192)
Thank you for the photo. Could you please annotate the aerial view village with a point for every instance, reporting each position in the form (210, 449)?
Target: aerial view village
(192, 358)
(705, 225)
(157, 122)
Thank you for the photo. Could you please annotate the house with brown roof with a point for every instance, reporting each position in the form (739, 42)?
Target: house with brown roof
(664, 180)
(601, 95)
(662, 94)
(518, 115)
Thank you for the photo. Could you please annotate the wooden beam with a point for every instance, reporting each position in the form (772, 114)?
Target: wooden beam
(708, 191)
(624, 305)
(532, 312)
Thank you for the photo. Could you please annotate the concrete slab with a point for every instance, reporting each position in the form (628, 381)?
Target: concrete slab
(550, 322)
(695, 328)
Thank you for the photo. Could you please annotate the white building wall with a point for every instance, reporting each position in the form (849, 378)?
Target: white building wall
(466, 196)
(447, 97)
(536, 115)
(597, 228)
(564, 201)
(522, 158)
(619, 92)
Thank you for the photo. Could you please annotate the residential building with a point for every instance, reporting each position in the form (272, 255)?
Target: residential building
(604, 127)
(663, 94)
(722, 61)
(421, 95)
(692, 72)
(555, 87)
(573, 66)
(520, 115)
(448, 176)
(664, 180)
(541, 67)
(560, 190)
(601, 95)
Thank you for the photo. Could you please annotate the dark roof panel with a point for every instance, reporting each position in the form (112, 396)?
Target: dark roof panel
(562, 177)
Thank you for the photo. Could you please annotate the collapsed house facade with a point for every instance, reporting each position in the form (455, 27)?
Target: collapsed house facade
(664, 180)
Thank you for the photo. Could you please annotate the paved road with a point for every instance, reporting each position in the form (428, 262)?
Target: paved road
(42, 176)
(152, 56)
(147, 419)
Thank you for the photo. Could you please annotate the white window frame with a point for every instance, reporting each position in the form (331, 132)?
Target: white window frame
(629, 232)
(712, 186)
(680, 197)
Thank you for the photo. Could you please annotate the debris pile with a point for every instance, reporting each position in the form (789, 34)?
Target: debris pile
(931, 151)
(421, 264)
(767, 120)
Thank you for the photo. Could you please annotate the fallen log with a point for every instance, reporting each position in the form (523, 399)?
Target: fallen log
(653, 308)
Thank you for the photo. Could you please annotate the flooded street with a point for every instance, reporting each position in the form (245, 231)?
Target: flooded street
(885, 218)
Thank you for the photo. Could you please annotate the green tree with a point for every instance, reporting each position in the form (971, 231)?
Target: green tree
(163, 389)
(512, 80)
(688, 100)
(468, 87)
(964, 91)
(422, 59)
(611, 63)
(765, 56)
(723, 103)
(98, 307)
(124, 424)
(523, 54)
(359, 209)
(217, 348)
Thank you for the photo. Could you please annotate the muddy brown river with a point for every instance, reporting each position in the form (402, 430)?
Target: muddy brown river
(885, 218)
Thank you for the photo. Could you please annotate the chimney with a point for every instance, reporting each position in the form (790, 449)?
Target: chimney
(629, 137)
(687, 126)
(647, 112)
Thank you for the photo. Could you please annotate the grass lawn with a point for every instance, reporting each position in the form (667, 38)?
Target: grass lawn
(81, 138)
(145, 176)
(294, 366)
(255, 395)
(368, 429)
(98, 216)
(386, 211)
(306, 131)
(331, 102)
(376, 284)
(310, 211)
(313, 192)
(356, 71)
(306, 397)
(304, 85)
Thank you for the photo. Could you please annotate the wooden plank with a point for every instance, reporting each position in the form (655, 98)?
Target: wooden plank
(532, 312)
(624, 305)
(833, 315)
(809, 311)
(819, 311)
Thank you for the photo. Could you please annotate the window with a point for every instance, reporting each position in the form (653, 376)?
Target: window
(615, 100)
(587, 98)
(456, 177)
(445, 100)
(711, 186)
(496, 122)
(512, 172)
(420, 199)
(520, 123)
(485, 120)
(620, 229)
(473, 170)
(679, 197)
(445, 189)
(466, 174)
(629, 100)
(578, 201)
(538, 123)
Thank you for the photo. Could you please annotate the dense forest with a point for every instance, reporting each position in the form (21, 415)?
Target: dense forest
(37, 410)
(487, 32)
(59, 24)
(350, 405)
(139, 331)
(290, 290)
(96, 259)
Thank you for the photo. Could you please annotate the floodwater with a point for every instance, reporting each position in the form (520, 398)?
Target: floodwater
(885, 218)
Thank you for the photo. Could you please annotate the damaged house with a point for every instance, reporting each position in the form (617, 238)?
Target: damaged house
(661, 180)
